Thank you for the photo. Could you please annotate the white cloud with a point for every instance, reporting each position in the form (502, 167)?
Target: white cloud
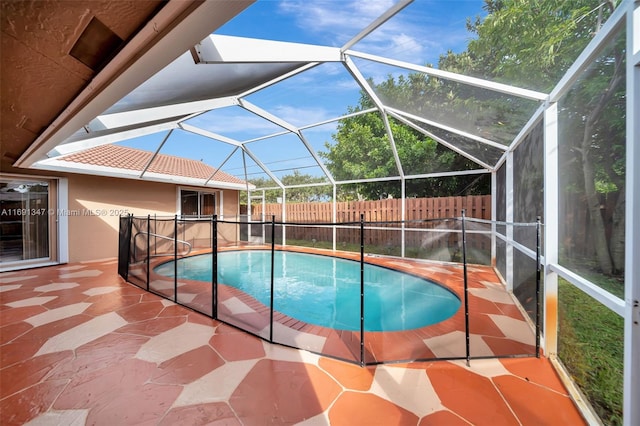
(335, 17)
(300, 116)
(418, 34)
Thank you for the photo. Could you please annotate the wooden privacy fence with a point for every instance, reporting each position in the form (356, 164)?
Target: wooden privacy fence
(476, 206)
(434, 234)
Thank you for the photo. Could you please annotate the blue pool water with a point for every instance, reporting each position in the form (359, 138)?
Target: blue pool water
(325, 290)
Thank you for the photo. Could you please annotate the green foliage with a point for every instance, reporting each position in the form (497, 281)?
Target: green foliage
(546, 38)
(591, 347)
(362, 150)
(529, 43)
(303, 193)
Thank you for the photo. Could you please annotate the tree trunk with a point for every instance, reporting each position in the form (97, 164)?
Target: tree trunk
(616, 243)
(588, 169)
(599, 238)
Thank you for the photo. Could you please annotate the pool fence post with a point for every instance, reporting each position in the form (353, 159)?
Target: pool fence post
(362, 360)
(175, 259)
(155, 231)
(466, 292)
(148, 249)
(124, 250)
(273, 249)
(538, 270)
(214, 266)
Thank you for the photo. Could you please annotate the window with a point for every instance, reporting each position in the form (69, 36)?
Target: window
(197, 203)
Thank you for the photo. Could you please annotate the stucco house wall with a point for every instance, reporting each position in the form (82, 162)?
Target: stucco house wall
(96, 203)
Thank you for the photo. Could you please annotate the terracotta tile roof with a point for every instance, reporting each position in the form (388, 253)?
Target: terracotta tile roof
(135, 159)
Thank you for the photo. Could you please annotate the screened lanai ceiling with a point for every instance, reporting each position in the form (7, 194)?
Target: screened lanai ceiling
(259, 102)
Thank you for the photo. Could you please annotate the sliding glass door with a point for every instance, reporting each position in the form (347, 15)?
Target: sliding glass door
(25, 220)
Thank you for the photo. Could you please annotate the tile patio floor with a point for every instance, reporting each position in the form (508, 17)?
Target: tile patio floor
(497, 326)
(80, 346)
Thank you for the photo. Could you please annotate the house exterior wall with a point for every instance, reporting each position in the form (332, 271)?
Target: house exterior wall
(96, 203)
(230, 211)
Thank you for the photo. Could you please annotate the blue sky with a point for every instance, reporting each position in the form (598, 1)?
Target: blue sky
(419, 34)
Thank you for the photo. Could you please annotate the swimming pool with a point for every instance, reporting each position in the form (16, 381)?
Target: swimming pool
(324, 290)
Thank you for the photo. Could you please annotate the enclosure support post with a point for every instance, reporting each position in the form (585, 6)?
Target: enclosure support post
(273, 250)
(538, 287)
(148, 249)
(466, 293)
(283, 217)
(494, 216)
(551, 229)
(214, 266)
(403, 218)
(249, 215)
(631, 408)
(362, 361)
(262, 218)
(334, 215)
(175, 259)
(509, 219)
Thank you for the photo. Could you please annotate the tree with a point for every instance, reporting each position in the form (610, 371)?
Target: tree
(532, 44)
(363, 151)
(302, 194)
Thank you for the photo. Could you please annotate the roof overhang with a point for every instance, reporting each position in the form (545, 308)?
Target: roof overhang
(56, 165)
(174, 30)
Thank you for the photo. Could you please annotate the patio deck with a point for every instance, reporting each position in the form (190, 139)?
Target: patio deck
(497, 327)
(81, 346)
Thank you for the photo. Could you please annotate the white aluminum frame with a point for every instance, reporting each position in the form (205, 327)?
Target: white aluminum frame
(631, 389)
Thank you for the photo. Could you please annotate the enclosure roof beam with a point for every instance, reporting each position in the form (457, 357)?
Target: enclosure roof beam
(155, 154)
(267, 115)
(342, 117)
(127, 118)
(447, 174)
(112, 136)
(262, 166)
(392, 143)
(279, 78)
(217, 49)
(535, 118)
(316, 158)
(441, 141)
(355, 72)
(467, 135)
(207, 134)
(604, 36)
(390, 13)
(269, 136)
(382, 179)
(303, 185)
(222, 164)
(460, 78)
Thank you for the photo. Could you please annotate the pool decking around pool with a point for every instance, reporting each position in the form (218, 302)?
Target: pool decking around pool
(497, 326)
(79, 346)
